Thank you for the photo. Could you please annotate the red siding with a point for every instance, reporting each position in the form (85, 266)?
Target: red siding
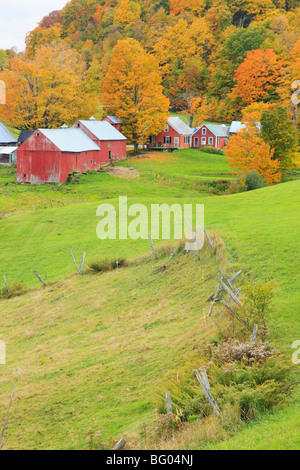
(40, 161)
(160, 138)
(117, 126)
(217, 142)
(116, 147)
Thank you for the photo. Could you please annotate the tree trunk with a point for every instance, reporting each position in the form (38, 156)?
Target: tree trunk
(136, 148)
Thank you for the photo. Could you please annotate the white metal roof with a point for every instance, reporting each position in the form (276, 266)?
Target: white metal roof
(103, 130)
(236, 126)
(70, 140)
(6, 150)
(5, 136)
(114, 119)
(179, 126)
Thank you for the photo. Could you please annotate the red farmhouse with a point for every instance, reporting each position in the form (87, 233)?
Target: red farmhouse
(111, 142)
(177, 135)
(114, 121)
(211, 135)
(49, 155)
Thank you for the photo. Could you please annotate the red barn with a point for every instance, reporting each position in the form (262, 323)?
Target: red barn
(211, 135)
(49, 155)
(176, 135)
(111, 142)
(114, 121)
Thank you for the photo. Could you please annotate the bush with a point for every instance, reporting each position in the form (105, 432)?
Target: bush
(208, 149)
(14, 291)
(73, 178)
(104, 265)
(254, 180)
(258, 306)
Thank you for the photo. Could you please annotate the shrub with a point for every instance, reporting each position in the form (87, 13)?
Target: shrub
(104, 265)
(254, 180)
(208, 149)
(14, 291)
(258, 306)
(73, 178)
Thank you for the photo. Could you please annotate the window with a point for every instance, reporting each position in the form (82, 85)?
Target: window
(203, 130)
(186, 140)
(196, 142)
(210, 141)
(203, 141)
(166, 128)
(176, 141)
(167, 140)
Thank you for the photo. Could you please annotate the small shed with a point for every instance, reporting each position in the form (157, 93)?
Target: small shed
(24, 136)
(8, 155)
(49, 155)
(112, 143)
(6, 139)
(114, 121)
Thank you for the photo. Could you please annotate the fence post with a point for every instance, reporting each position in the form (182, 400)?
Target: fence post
(208, 395)
(6, 285)
(39, 278)
(208, 238)
(169, 403)
(205, 378)
(121, 444)
(152, 246)
(74, 261)
(230, 293)
(254, 334)
(82, 264)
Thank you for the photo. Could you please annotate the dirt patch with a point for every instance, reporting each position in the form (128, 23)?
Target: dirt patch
(121, 172)
(159, 157)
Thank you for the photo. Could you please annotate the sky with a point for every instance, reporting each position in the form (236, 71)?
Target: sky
(17, 17)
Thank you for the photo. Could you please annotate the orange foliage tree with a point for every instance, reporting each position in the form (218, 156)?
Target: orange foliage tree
(48, 90)
(258, 76)
(132, 90)
(247, 152)
(196, 7)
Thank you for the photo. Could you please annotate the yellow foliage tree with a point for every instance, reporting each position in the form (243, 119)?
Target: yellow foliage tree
(182, 41)
(132, 90)
(48, 90)
(40, 37)
(127, 14)
(253, 112)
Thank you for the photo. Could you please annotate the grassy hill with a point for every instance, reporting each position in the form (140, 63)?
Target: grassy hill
(93, 357)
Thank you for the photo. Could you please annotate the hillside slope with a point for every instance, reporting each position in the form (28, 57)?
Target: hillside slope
(92, 357)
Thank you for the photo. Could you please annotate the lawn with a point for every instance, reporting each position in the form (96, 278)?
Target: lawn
(189, 172)
(101, 314)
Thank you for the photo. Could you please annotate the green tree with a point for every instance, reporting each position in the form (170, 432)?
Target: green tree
(279, 132)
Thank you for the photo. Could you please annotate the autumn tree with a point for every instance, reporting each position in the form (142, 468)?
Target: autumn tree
(132, 90)
(247, 151)
(195, 7)
(254, 111)
(229, 56)
(279, 132)
(48, 90)
(127, 14)
(245, 11)
(257, 77)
